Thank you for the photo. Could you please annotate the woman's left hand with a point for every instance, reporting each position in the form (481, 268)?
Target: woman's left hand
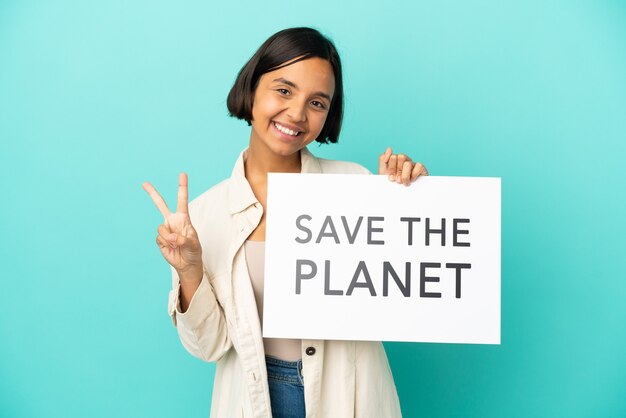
(400, 167)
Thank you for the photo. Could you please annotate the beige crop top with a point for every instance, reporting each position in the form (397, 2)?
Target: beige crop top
(282, 348)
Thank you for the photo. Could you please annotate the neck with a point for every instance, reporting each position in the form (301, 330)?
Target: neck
(261, 161)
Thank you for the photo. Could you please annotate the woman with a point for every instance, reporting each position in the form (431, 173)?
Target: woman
(290, 92)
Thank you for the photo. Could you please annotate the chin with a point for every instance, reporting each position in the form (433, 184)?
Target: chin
(286, 150)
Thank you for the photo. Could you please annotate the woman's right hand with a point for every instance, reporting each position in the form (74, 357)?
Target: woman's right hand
(177, 239)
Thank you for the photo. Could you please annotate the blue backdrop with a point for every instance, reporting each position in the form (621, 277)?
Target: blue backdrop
(97, 97)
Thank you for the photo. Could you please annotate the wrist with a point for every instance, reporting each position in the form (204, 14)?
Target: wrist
(190, 275)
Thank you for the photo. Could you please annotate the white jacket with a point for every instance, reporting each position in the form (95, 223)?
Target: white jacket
(341, 378)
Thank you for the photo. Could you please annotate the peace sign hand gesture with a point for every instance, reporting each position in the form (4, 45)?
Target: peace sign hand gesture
(177, 239)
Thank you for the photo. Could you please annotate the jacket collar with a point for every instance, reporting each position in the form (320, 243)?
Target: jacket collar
(240, 195)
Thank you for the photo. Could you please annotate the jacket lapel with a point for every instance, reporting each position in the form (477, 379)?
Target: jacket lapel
(247, 212)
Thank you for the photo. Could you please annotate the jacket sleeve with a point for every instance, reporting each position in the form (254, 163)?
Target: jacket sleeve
(202, 328)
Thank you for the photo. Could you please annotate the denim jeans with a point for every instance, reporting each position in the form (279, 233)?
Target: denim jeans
(286, 387)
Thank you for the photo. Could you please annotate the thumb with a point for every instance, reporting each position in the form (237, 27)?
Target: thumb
(175, 240)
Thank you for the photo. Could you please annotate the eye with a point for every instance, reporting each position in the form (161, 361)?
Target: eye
(318, 104)
(283, 91)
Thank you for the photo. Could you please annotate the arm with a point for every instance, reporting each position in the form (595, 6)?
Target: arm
(199, 318)
(192, 304)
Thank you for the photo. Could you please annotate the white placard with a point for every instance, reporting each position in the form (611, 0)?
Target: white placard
(356, 257)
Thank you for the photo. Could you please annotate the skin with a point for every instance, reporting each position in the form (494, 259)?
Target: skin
(294, 95)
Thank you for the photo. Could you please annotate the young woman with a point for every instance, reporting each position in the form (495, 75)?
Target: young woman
(290, 92)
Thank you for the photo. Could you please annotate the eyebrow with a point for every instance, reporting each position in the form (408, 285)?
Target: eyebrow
(292, 84)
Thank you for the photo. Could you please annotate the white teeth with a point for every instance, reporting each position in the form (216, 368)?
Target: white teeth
(285, 130)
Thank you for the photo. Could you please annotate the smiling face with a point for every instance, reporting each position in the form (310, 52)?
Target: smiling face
(290, 106)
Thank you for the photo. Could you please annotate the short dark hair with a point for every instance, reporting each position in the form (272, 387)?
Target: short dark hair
(276, 51)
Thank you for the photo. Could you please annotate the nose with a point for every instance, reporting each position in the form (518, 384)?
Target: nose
(297, 111)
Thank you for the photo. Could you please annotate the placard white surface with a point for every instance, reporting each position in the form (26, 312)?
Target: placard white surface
(338, 302)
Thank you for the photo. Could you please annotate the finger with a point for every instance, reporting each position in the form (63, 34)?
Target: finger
(180, 240)
(383, 160)
(182, 194)
(164, 246)
(166, 234)
(168, 240)
(161, 242)
(172, 239)
(391, 167)
(407, 168)
(400, 166)
(418, 170)
(157, 199)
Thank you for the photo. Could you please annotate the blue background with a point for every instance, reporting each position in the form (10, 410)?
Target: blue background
(97, 97)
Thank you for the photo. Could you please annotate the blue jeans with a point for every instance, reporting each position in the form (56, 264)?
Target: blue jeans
(286, 387)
